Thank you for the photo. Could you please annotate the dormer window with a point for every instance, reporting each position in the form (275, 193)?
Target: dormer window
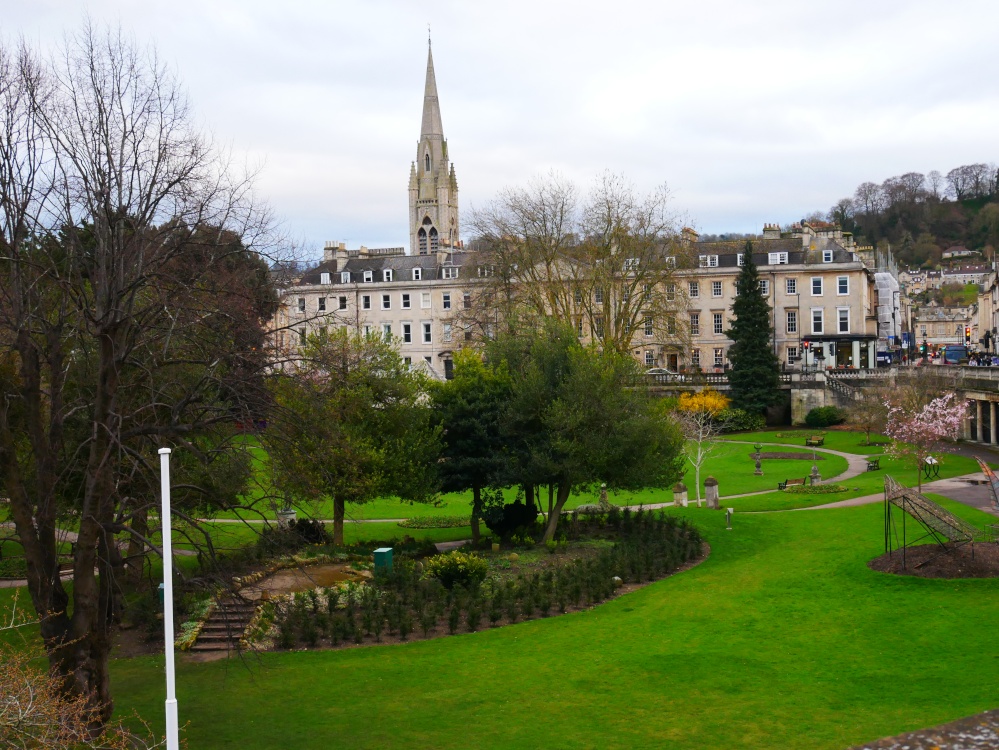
(707, 261)
(387, 274)
(324, 278)
(368, 277)
(450, 272)
(417, 274)
(345, 277)
(827, 256)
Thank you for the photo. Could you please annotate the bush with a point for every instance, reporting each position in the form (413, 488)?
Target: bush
(310, 531)
(13, 567)
(457, 568)
(435, 522)
(824, 416)
(739, 420)
(506, 519)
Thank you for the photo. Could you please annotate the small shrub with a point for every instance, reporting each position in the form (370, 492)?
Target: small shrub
(739, 420)
(825, 416)
(310, 531)
(507, 519)
(457, 568)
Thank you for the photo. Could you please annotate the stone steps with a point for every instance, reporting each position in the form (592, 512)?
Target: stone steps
(225, 626)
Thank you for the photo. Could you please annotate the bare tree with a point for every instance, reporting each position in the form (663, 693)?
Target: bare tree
(606, 264)
(130, 317)
(869, 199)
(700, 431)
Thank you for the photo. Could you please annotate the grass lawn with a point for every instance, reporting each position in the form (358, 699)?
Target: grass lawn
(783, 638)
(837, 440)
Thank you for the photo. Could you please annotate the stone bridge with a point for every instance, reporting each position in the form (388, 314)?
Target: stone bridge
(808, 390)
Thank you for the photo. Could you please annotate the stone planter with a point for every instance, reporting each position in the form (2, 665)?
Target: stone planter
(285, 517)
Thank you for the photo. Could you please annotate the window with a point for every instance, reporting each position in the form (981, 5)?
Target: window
(792, 354)
(486, 271)
(695, 324)
(425, 300)
(322, 304)
(817, 320)
(777, 259)
(421, 238)
(719, 357)
(386, 302)
(407, 333)
(922, 330)
(626, 294)
(827, 256)
(765, 287)
(694, 289)
(428, 360)
(426, 162)
(367, 331)
(369, 276)
(446, 332)
(406, 304)
(598, 296)
(670, 292)
(466, 301)
(695, 357)
(387, 330)
(408, 361)
(716, 289)
(468, 334)
(816, 286)
(579, 327)
(843, 319)
(417, 274)
(301, 304)
(577, 297)
(630, 264)
(427, 338)
(387, 274)
(648, 325)
(791, 286)
(718, 323)
(707, 261)
(434, 241)
(598, 326)
(343, 303)
(324, 278)
(366, 302)
(740, 259)
(650, 358)
(345, 277)
(446, 297)
(792, 321)
(842, 285)
(450, 272)
(670, 325)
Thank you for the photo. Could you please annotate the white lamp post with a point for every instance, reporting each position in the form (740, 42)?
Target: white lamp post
(172, 733)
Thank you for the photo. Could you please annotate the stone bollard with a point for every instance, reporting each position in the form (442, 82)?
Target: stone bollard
(711, 492)
(680, 494)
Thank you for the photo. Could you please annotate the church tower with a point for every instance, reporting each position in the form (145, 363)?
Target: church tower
(433, 187)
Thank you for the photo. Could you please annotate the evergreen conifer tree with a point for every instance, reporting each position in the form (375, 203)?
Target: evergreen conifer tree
(754, 375)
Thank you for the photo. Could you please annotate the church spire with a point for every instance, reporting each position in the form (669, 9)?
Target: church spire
(433, 186)
(431, 106)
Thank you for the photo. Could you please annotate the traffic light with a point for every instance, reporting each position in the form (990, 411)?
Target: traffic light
(967, 334)
(806, 345)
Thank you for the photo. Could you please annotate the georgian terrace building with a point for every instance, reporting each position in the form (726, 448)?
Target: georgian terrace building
(824, 300)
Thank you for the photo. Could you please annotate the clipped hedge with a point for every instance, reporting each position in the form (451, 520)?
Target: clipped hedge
(739, 420)
(457, 569)
(825, 416)
(816, 489)
(435, 522)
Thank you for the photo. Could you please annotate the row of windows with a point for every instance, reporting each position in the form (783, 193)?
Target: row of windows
(773, 259)
(405, 302)
(368, 277)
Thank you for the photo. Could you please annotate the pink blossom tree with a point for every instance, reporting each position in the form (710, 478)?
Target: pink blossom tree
(918, 433)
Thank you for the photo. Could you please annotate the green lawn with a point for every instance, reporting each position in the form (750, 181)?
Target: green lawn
(783, 638)
(837, 440)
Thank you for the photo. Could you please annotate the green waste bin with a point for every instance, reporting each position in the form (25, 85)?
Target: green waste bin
(383, 559)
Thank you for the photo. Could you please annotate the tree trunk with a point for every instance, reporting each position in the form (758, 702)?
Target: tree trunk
(697, 484)
(476, 512)
(135, 556)
(338, 514)
(551, 499)
(529, 496)
(560, 501)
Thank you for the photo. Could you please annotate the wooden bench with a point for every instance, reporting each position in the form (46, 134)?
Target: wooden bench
(815, 440)
(792, 482)
(873, 464)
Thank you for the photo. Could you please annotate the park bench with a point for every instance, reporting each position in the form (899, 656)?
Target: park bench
(873, 464)
(815, 440)
(792, 482)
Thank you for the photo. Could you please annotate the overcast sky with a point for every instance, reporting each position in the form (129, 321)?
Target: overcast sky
(751, 112)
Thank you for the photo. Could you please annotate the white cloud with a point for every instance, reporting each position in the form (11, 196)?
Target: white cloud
(752, 112)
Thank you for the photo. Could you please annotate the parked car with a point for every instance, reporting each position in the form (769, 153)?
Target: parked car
(664, 374)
